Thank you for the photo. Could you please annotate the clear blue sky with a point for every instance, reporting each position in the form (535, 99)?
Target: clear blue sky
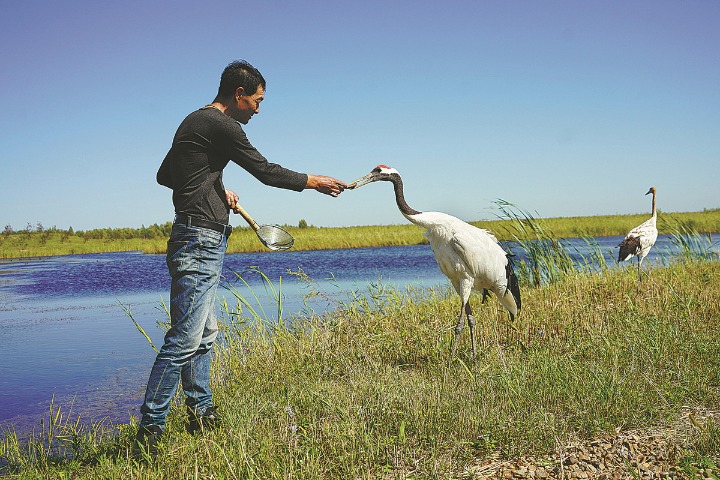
(563, 108)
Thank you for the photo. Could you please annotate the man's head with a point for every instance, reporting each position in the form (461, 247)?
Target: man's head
(242, 88)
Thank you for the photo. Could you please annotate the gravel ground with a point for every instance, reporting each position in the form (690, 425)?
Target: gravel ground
(636, 454)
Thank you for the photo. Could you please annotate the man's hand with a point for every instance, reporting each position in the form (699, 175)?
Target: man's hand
(232, 200)
(327, 185)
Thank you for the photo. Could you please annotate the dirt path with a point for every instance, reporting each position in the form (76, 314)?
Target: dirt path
(658, 453)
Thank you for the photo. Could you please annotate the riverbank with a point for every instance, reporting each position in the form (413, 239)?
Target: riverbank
(368, 392)
(152, 240)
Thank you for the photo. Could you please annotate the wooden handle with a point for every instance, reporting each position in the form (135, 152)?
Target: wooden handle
(239, 209)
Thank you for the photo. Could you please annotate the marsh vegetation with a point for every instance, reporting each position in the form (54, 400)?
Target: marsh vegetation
(36, 240)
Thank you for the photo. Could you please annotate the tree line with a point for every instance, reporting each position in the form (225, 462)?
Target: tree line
(153, 231)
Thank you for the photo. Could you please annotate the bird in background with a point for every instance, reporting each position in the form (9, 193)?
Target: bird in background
(469, 256)
(640, 239)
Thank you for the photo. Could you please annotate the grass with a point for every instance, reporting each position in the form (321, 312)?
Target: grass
(368, 391)
(153, 240)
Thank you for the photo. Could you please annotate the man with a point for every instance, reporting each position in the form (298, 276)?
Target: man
(206, 141)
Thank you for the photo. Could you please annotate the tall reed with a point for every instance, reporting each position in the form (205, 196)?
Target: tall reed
(543, 258)
(692, 245)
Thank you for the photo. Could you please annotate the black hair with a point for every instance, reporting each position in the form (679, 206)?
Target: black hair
(239, 74)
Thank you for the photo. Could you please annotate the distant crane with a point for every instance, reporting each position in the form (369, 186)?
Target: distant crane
(469, 256)
(640, 239)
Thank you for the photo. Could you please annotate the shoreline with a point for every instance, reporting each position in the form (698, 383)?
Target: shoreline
(24, 245)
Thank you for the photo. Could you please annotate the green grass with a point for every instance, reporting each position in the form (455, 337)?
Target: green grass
(368, 391)
(33, 243)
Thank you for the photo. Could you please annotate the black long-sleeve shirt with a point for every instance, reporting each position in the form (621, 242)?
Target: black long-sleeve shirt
(205, 142)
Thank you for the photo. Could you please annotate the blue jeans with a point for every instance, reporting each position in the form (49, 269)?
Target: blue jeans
(194, 258)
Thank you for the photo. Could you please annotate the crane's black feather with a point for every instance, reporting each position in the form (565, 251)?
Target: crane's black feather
(628, 247)
(512, 281)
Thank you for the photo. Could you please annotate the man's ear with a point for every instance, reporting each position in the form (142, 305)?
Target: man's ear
(240, 91)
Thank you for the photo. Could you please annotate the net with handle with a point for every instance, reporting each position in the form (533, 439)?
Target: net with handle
(275, 237)
(272, 236)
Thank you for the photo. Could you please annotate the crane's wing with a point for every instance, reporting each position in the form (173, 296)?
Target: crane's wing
(638, 240)
(645, 228)
(489, 266)
(470, 255)
(482, 255)
(629, 247)
(459, 247)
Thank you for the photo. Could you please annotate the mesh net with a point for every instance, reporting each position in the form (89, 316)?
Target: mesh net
(275, 238)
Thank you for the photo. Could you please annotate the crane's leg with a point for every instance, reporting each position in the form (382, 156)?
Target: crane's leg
(471, 324)
(639, 262)
(458, 330)
(463, 288)
(485, 295)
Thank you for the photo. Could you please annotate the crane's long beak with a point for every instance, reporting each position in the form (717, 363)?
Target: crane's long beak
(370, 177)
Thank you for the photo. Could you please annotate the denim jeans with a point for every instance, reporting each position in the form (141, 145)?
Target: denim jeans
(194, 258)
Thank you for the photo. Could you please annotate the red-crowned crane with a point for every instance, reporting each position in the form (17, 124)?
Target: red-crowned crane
(469, 256)
(640, 239)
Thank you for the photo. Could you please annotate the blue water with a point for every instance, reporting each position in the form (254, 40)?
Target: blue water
(65, 335)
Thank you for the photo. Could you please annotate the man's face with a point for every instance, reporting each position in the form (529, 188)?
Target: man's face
(245, 106)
